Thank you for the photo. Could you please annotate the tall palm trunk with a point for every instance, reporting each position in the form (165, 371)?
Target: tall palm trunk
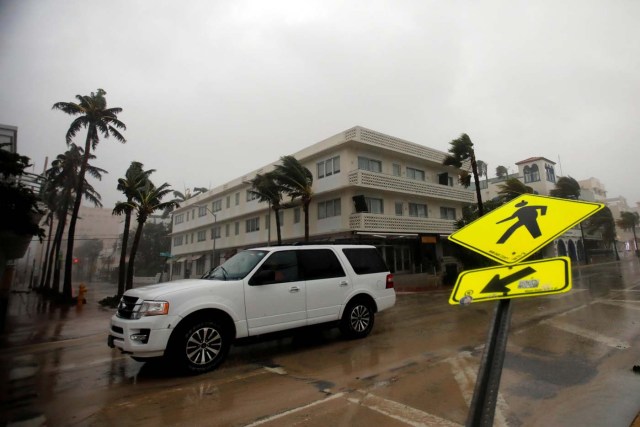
(123, 254)
(45, 258)
(474, 169)
(68, 263)
(278, 231)
(305, 208)
(132, 254)
(55, 286)
(52, 256)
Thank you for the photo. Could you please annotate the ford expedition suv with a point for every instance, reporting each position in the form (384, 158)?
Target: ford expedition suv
(257, 291)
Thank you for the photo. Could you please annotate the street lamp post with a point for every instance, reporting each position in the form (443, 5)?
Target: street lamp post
(213, 233)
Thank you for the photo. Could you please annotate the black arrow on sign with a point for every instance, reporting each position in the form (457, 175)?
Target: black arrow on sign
(500, 285)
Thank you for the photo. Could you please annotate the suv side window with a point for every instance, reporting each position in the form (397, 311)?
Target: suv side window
(365, 260)
(320, 264)
(280, 267)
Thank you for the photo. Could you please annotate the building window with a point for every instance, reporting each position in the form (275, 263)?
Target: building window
(179, 219)
(251, 195)
(202, 236)
(375, 206)
(188, 216)
(397, 170)
(329, 208)
(551, 173)
(237, 228)
(228, 202)
(216, 232)
(200, 266)
(418, 210)
(447, 213)
(202, 211)
(192, 234)
(416, 174)
(445, 179)
(177, 241)
(177, 268)
(226, 230)
(371, 165)
(252, 225)
(296, 215)
(399, 208)
(216, 205)
(531, 174)
(237, 199)
(328, 167)
(281, 218)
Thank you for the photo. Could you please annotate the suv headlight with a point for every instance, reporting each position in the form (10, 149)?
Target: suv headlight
(152, 308)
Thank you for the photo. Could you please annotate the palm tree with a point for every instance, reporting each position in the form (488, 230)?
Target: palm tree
(513, 188)
(461, 150)
(97, 119)
(182, 197)
(629, 221)
(265, 187)
(63, 176)
(603, 221)
(502, 172)
(146, 201)
(296, 181)
(134, 178)
(566, 188)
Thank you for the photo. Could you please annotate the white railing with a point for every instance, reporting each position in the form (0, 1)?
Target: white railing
(400, 224)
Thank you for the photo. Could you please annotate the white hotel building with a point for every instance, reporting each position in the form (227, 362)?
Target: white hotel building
(410, 205)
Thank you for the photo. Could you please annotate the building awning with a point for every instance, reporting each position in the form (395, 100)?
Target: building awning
(196, 257)
(180, 259)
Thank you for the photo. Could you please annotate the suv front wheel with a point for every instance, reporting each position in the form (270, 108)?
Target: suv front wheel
(357, 319)
(201, 346)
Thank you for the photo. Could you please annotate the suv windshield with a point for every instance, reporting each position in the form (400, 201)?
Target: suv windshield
(236, 267)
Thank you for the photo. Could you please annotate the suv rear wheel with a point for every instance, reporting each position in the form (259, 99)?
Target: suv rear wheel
(201, 346)
(357, 319)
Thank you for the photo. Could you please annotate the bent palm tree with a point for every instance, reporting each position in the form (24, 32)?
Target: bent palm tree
(97, 119)
(134, 179)
(265, 187)
(296, 181)
(566, 188)
(603, 221)
(512, 188)
(146, 201)
(629, 221)
(461, 150)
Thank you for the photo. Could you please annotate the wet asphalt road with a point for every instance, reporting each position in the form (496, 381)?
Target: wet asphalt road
(569, 362)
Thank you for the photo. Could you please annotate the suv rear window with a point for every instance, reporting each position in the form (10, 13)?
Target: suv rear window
(365, 260)
(320, 264)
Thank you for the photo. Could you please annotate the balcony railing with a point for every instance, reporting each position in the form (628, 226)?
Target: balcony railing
(400, 224)
(379, 181)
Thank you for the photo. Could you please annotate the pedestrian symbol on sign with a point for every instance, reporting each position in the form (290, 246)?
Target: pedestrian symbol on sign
(527, 217)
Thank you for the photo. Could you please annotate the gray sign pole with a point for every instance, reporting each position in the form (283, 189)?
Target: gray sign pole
(485, 394)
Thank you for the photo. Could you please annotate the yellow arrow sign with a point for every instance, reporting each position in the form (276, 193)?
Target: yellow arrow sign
(528, 279)
(516, 229)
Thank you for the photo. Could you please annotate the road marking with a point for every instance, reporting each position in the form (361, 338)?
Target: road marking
(586, 333)
(398, 411)
(277, 370)
(294, 410)
(622, 304)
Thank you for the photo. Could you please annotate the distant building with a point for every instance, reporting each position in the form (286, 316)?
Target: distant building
(368, 188)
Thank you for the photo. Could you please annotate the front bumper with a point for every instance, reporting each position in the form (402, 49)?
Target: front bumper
(145, 337)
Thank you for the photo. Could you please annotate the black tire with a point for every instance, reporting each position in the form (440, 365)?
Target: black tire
(357, 319)
(200, 346)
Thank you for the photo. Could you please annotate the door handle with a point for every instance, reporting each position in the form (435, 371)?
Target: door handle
(294, 289)
(344, 283)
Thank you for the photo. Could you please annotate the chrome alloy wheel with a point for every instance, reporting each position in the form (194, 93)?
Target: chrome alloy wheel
(360, 318)
(203, 346)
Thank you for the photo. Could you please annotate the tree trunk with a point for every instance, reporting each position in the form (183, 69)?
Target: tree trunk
(305, 208)
(68, 263)
(45, 263)
(474, 169)
(278, 232)
(132, 254)
(123, 254)
(53, 261)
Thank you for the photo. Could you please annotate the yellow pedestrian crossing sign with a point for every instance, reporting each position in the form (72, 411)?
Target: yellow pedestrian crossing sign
(528, 279)
(520, 227)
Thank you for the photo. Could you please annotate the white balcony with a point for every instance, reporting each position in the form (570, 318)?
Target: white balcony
(379, 181)
(400, 224)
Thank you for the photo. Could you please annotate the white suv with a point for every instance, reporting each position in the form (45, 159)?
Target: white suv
(257, 291)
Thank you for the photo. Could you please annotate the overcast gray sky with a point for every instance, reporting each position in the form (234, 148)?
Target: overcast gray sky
(214, 89)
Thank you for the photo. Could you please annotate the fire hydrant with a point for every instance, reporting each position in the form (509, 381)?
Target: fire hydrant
(82, 291)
